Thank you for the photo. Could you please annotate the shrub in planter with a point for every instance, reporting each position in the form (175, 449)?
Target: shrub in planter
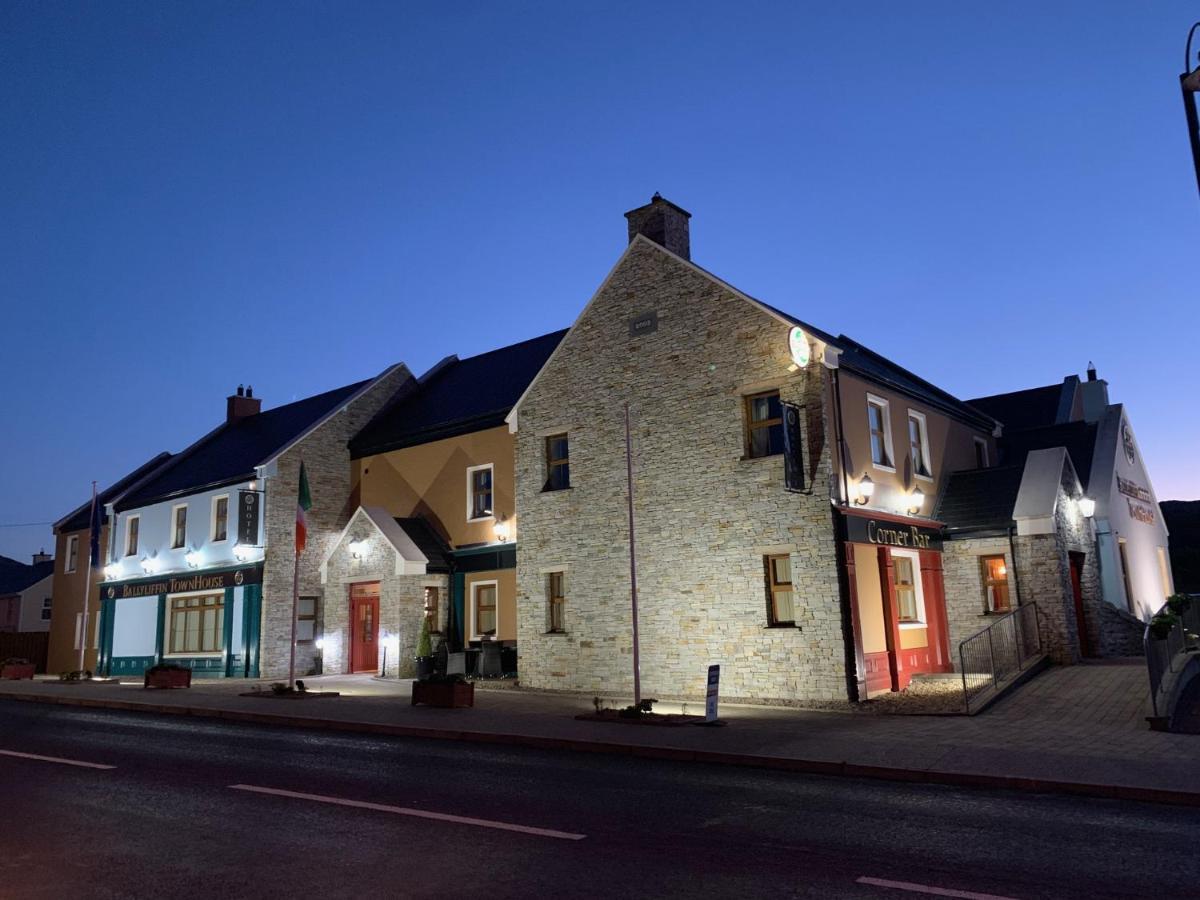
(1161, 625)
(1179, 603)
(425, 658)
(445, 691)
(15, 668)
(168, 675)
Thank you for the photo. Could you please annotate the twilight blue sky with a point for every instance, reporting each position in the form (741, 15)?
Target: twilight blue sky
(296, 195)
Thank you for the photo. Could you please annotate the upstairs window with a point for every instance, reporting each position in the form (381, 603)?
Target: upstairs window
(918, 445)
(556, 599)
(995, 584)
(558, 463)
(780, 597)
(981, 453)
(220, 518)
(178, 527)
(72, 552)
(479, 492)
(880, 427)
(131, 535)
(764, 425)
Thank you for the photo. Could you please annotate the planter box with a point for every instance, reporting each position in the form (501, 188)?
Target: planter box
(172, 678)
(446, 696)
(17, 671)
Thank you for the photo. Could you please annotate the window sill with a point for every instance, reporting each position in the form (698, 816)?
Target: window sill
(472, 521)
(784, 626)
(999, 613)
(555, 633)
(752, 459)
(546, 490)
(208, 654)
(921, 477)
(907, 625)
(882, 468)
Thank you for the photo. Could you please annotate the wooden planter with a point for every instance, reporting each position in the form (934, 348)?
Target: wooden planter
(446, 696)
(170, 678)
(17, 671)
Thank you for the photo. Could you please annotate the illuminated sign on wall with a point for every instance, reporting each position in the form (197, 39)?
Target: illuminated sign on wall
(798, 346)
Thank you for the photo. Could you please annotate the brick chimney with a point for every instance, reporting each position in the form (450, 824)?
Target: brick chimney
(242, 404)
(664, 223)
(41, 557)
(1094, 393)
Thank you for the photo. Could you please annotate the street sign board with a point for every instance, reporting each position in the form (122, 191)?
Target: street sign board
(710, 699)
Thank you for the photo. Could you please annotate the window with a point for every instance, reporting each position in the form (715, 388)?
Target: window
(47, 605)
(909, 608)
(131, 535)
(556, 597)
(879, 425)
(479, 492)
(72, 552)
(431, 609)
(995, 584)
(178, 526)
(981, 453)
(764, 425)
(918, 445)
(306, 620)
(779, 590)
(483, 595)
(220, 518)
(197, 624)
(558, 463)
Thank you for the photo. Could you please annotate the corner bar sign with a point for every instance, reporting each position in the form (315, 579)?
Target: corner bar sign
(860, 530)
(798, 346)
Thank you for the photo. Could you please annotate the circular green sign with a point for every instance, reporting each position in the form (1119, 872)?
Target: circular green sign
(798, 346)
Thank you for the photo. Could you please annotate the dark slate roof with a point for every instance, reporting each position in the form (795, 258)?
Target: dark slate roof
(17, 577)
(866, 362)
(979, 499)
(461, 396)
(1032, 408)
(230, 453)
(1079, 439)
(79, 518)
(429, 542)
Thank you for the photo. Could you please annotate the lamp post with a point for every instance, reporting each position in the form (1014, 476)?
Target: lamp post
(1189, 84)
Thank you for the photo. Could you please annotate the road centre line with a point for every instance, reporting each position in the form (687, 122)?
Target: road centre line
(418, 813)
(55, 759)
(927, 889)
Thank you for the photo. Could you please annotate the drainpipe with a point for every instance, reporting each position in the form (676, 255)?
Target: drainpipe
(1012, 549)
(841, 434)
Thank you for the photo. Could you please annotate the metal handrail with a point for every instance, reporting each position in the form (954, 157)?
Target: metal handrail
(998, 653)
(1162, 653)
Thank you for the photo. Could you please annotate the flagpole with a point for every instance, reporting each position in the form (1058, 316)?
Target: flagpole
(295, 603)
(87, 584)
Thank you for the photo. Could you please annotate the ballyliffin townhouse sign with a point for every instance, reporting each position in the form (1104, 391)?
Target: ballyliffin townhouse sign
(180, 584)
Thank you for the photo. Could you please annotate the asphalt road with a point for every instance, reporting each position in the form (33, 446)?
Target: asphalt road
(436, 819)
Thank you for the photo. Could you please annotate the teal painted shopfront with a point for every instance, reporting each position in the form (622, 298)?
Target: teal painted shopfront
(208, 621)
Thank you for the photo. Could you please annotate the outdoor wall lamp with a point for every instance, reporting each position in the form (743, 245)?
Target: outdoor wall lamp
(357, 548)
(916, 500)
(866, 487)
(192, 558)
(149, 566)
(501, 529)
(241, 552)
(1087, 506)
(111, 571)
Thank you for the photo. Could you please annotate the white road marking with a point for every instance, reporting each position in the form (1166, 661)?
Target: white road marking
(55, 759)
(418, 813)
(927, 889)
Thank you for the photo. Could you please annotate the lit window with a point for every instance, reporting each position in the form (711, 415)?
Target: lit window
(178, 527)
(918, 445)
(764, 425)
(558, 463)
(779, 590)
(197, 624)
(485, 608)
(479, 492)
(908, 601)
(556, 600)
(220, 529)
(306, 620)
(131, 535)
(880, 427)
(995, 584)
(431, 609)
(72, 552)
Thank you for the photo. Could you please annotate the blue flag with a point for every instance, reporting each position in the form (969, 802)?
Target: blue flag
(95, 526)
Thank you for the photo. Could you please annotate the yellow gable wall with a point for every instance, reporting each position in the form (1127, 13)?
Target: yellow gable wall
(68, 591)
(430, 480)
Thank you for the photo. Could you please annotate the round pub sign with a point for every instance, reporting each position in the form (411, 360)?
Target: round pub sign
(798, 346)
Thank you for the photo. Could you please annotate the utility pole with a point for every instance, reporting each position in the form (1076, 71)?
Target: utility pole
(1189, 83)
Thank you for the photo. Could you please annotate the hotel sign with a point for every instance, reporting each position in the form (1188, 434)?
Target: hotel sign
(247, 529)
(182, 584)
(860, 530)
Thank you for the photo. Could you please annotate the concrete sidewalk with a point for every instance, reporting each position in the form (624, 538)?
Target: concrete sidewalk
(1077, 730)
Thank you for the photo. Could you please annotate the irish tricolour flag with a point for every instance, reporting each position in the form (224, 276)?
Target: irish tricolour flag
(303, 504)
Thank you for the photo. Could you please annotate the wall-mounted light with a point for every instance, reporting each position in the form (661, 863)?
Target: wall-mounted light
(357, 548)
(319, 643)
(502, 530)
(916, 500)
(192, 558)
(111, 571)
(1087, 506)
(866, 487)
(149, 566)
(241, 552)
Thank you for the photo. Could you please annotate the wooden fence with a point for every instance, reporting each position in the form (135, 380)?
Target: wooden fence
(30, 645)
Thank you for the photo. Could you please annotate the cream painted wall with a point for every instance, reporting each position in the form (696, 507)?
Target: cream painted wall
(870, 598)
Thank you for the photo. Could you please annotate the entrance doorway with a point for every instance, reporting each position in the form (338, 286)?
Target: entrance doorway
(364, 627)
(1085, 643)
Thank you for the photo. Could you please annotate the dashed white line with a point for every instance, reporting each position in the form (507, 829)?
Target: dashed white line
(929, 889)
(418, 813)
(55, 759)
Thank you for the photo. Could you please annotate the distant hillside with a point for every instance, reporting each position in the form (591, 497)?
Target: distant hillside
(1183, 521)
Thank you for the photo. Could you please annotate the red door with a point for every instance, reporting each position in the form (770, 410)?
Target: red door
(364, 627)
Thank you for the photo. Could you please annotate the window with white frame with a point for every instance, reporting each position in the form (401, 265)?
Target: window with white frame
(72, 553)
(910, 602)
(780, 594)
(196, 624)
(220, 518)
(306, 620)
(879, 426)
(479, 492)
(178, 526)
(132, 526)
(47, 606)
(918, 444)
(981, 453)
(483, 608)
